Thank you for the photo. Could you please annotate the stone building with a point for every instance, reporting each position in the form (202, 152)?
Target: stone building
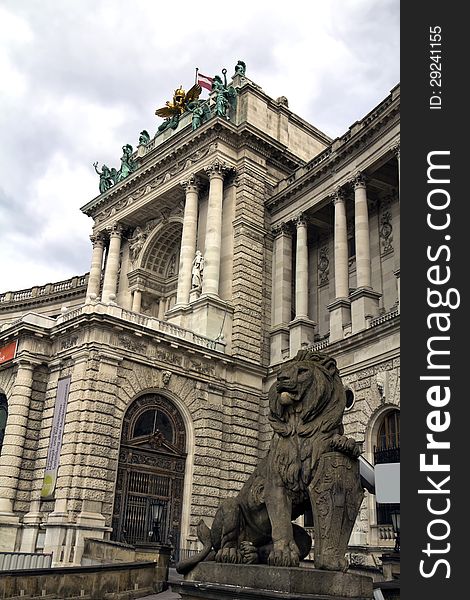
(134, 398)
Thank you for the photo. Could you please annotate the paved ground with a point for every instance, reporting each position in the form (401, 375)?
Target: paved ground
(168, 595)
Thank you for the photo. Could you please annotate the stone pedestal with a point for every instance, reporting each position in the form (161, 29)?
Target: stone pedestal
(217, 581)
(340, 315)
(364, 303)
(279, 344)
(302, 331)
(212, 318)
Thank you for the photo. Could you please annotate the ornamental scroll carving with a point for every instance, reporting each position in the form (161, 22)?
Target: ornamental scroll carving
(324, 264)
(386, 232)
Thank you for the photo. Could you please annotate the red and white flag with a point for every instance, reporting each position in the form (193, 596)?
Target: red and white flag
(204, 81)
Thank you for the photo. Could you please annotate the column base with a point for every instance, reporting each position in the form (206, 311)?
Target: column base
(210, 580)
(340, 316)
(279, 344)
(31, 523)
(397, 275)
(302, 331)
(9, 524)
(364, 304)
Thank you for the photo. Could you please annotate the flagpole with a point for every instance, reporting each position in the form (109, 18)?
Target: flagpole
(195, 79)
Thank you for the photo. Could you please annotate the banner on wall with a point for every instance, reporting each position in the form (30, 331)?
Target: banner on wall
(55, 442)
(8, 352)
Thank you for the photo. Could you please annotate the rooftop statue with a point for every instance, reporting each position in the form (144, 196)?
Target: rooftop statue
(240, 68)
(128, 165)
(172, 111)
(144, 137)
(107, 177)
(226, 96)
(201, 112)
(309, 461)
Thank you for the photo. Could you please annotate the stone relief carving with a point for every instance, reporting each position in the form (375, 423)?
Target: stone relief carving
(166, 376)
(69, 342)
(324, 265)
(133, 345)
(386, 232)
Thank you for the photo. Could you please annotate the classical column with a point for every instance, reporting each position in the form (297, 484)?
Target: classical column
(188, 239)
(301, 268)
(112, 263)
(282, 275)
(94, 278)
(15, 436)
(210, 280)
(136, 300)
(341, 247)
(361, 229)
(340, 308)
(281, 312)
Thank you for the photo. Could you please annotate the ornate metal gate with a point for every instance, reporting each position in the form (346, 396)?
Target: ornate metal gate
(149, 487)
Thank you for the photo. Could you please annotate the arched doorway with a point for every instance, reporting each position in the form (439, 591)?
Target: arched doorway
(150, 480)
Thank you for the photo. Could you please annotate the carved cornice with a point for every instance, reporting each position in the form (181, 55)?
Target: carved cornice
(327, 163)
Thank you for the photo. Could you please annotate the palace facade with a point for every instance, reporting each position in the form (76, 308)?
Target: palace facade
(134, 398)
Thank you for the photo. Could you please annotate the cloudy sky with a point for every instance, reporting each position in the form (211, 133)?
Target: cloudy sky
(80, 78)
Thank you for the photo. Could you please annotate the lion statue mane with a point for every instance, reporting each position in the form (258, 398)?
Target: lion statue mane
(310, 463)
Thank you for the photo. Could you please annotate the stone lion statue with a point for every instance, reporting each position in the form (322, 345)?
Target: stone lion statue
(309, 463)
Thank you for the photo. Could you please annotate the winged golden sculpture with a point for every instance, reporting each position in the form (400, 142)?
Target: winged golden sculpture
(180, 102)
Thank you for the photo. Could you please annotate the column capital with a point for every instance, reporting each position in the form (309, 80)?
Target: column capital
(300, 220)
(281, 229)
(217, 168)
(193, 183)
(97, 239)
(339, 196)
(396, 149)
(359, 180)
(115, 230)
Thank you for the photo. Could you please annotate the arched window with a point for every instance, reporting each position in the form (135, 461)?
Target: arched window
(388, 436)
(154, 421)
(3, 418)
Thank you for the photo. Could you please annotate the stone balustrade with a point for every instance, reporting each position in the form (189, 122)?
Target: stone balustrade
(77, 283)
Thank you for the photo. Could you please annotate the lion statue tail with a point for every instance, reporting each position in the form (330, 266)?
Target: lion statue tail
(204, 535)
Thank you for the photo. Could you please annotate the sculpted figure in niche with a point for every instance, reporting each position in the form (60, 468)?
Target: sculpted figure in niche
(309, 459)
(136, 242)
(197, 269)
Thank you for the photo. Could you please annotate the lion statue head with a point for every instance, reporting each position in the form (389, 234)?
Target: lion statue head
(306, 406)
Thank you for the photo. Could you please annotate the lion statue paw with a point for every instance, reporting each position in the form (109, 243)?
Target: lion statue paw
(249, 553)
(229, 555)
(284, 554)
